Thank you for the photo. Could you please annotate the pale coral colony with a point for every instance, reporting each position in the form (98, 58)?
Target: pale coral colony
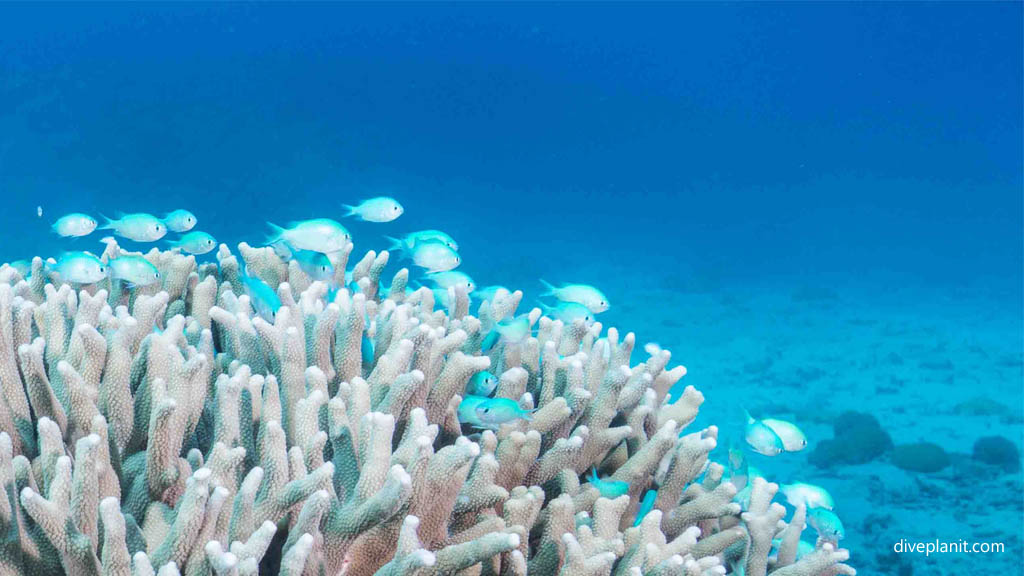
(168, 429)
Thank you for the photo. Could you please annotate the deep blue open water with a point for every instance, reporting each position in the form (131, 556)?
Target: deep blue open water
(816, 207)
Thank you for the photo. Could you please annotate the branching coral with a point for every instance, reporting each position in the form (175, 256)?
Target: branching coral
(170, 430)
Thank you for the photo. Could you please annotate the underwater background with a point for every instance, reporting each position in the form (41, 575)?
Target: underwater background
(816, 207)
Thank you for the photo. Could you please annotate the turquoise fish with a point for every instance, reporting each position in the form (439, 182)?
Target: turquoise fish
(497, 411)
(410, 240)
(195, 242)
(761, 438)
(826, 524)
(646, 505)
(569, 312)
(75, 224)
(79, 268)
(482, 384)
(509, 330)
(320, 235)
(180, 221)
(379, 209)
(610, 489)
(583, 294)
(467, 410)
(137, 227)
(793, 439)
(135, 270)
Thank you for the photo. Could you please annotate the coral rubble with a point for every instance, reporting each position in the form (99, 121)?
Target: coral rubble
(168, 429)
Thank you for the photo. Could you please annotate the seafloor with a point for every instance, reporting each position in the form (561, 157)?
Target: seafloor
(940, 364)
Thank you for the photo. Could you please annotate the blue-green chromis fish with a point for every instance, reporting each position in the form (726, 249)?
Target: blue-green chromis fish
(76, 224)
(79, 268)
(467, 410)
(446, 280)
(320, 235)
(793, 439)
(569, 312)
(137, 227)
(509, 330)
(316, 265)
(488, 292)
(379, 209)
(482, 384)
(809, 495)
(435, 257)
(180, 221)
(264, 299)
(497, 411)
(367, 351)
(610, 489)
(134, 270)
(195, 242)
(583, 294)
(410, 240)
(826, 524)
(646, 505)
(761, 438)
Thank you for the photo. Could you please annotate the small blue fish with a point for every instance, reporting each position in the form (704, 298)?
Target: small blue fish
(487, 293)
(316, 265)
(584, 294)
(509, 330)
(135, 270)
(646, 505)
(379, 209)
(435, 257)
(79, 268)
(610, 489)
(569, 312)
(497, 411)
(320, 235)
(137, 227)
(367, 351)
(180, 221)
(467, 410)
(809, 495)
(72, 225)
(793, 439)
(826, 524)
(445, 280)
(482, 384)
(410, 240)
(761, 438)
(264, 299)
(195, 243)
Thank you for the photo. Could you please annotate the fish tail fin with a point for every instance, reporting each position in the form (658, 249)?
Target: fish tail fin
(108, 223)
(549, 287)
(275, 233)
(352, 210)
(593, 475)
(746, 414)
(395, 244)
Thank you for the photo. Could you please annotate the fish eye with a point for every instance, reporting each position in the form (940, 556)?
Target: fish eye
(395, 208)
(102, 269)
(156, 274)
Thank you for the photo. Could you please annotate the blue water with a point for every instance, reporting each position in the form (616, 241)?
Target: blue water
(781, 194)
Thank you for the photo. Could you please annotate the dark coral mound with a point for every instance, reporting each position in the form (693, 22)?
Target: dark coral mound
(857, 439)
(997, 451)
(924, 457)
